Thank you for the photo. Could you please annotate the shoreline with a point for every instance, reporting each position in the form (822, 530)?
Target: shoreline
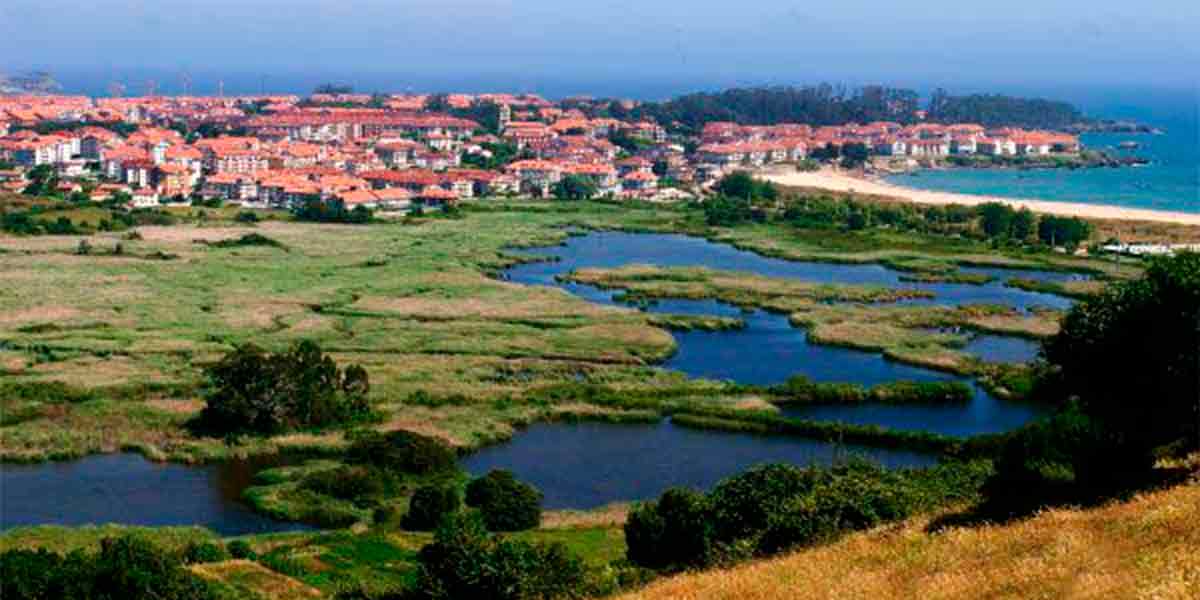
(837, 181)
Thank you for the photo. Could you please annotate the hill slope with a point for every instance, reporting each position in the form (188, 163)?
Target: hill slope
(1146, 548)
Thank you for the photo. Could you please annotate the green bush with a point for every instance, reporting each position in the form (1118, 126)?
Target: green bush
(241, 549)
(772, 508)
(1130, 356)
(204, 552)
(505, 503)
(673, 532)
(465, 561)
(355, 483)
(742, 505)
(384, 515)
(429, 505)
(254, 391)
(402, 452)
(128, 567)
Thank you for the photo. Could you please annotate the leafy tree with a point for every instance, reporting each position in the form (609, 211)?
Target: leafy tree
(672, 532)
(1063, 231)
(254, 391)
(333, 89)
(1024, 224)
(996, 219)
(128, 567)
(574, 187)
(723, 211)
(465, 561)
(854, 155)
(505, 503)
(1130, 355)
(741, 184)
(501, 154)
(997, 110)
(313, 208)
(402, 451)
(43, 181)
(429, 505)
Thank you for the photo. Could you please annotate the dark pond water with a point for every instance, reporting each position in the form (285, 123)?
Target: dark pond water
(586, 465)
(614, 249)
(999, 348)
(128, 489)
(769, 350)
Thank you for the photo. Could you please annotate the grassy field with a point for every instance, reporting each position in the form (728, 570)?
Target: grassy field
(414, 302)
(1148, 547)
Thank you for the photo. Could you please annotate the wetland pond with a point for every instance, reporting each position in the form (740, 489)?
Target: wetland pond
(585, 465)
(768, 350)
(130, 490)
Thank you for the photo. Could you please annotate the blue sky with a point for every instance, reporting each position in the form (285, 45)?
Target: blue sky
(960, 44)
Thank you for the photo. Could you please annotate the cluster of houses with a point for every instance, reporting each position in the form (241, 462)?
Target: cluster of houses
(732, 144)
(389, 152)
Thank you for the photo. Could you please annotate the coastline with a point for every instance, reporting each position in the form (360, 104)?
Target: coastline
(838, 181)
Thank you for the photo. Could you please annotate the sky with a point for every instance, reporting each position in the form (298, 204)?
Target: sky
(605, 46)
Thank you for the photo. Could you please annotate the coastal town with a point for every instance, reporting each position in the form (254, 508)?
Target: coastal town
(397, 152)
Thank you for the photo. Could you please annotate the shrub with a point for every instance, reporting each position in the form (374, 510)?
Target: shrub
(776, 507)
(465, 561)
(250, 239)
(253, 391)
(384, 515)
(742, 504)
(127, 567)
(1130, 355)
(28, 574)
(241, 549)
(403, 452)
(672, 532)
(505, 503)
(204, 552)
(247, 216)
(429, 505)
(348, 483)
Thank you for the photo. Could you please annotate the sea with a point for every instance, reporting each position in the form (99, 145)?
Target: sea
(1169, 182)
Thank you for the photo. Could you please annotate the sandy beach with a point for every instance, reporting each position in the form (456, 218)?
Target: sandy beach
(841, 182)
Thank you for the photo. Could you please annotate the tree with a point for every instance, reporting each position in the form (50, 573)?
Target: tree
(254, 391)
(333, 89)
(854, 155)
(127, 567)
(43, 181)
(996, 219)
(505, 503)
(429, 505)
(314, 208)
(465, 561)
(723, 211)
(741, 184)
(1063, 231)
(670, 533)
(402, 451)
(1130, 355)
(1024, 224)
(574, 187)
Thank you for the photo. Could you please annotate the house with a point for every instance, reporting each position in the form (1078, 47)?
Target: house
(638, 181)
(143, 198)
(928, 147)
(536, 176)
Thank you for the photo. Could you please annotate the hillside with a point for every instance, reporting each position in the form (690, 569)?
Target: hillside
(1148, 547)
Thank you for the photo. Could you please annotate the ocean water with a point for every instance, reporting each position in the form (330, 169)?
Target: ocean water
(1170, 182)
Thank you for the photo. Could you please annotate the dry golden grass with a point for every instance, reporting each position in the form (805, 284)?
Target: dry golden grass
(247, 576)
(1145, 548)
(611, 515)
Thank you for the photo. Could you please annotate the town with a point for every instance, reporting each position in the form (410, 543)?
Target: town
(399, 152)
